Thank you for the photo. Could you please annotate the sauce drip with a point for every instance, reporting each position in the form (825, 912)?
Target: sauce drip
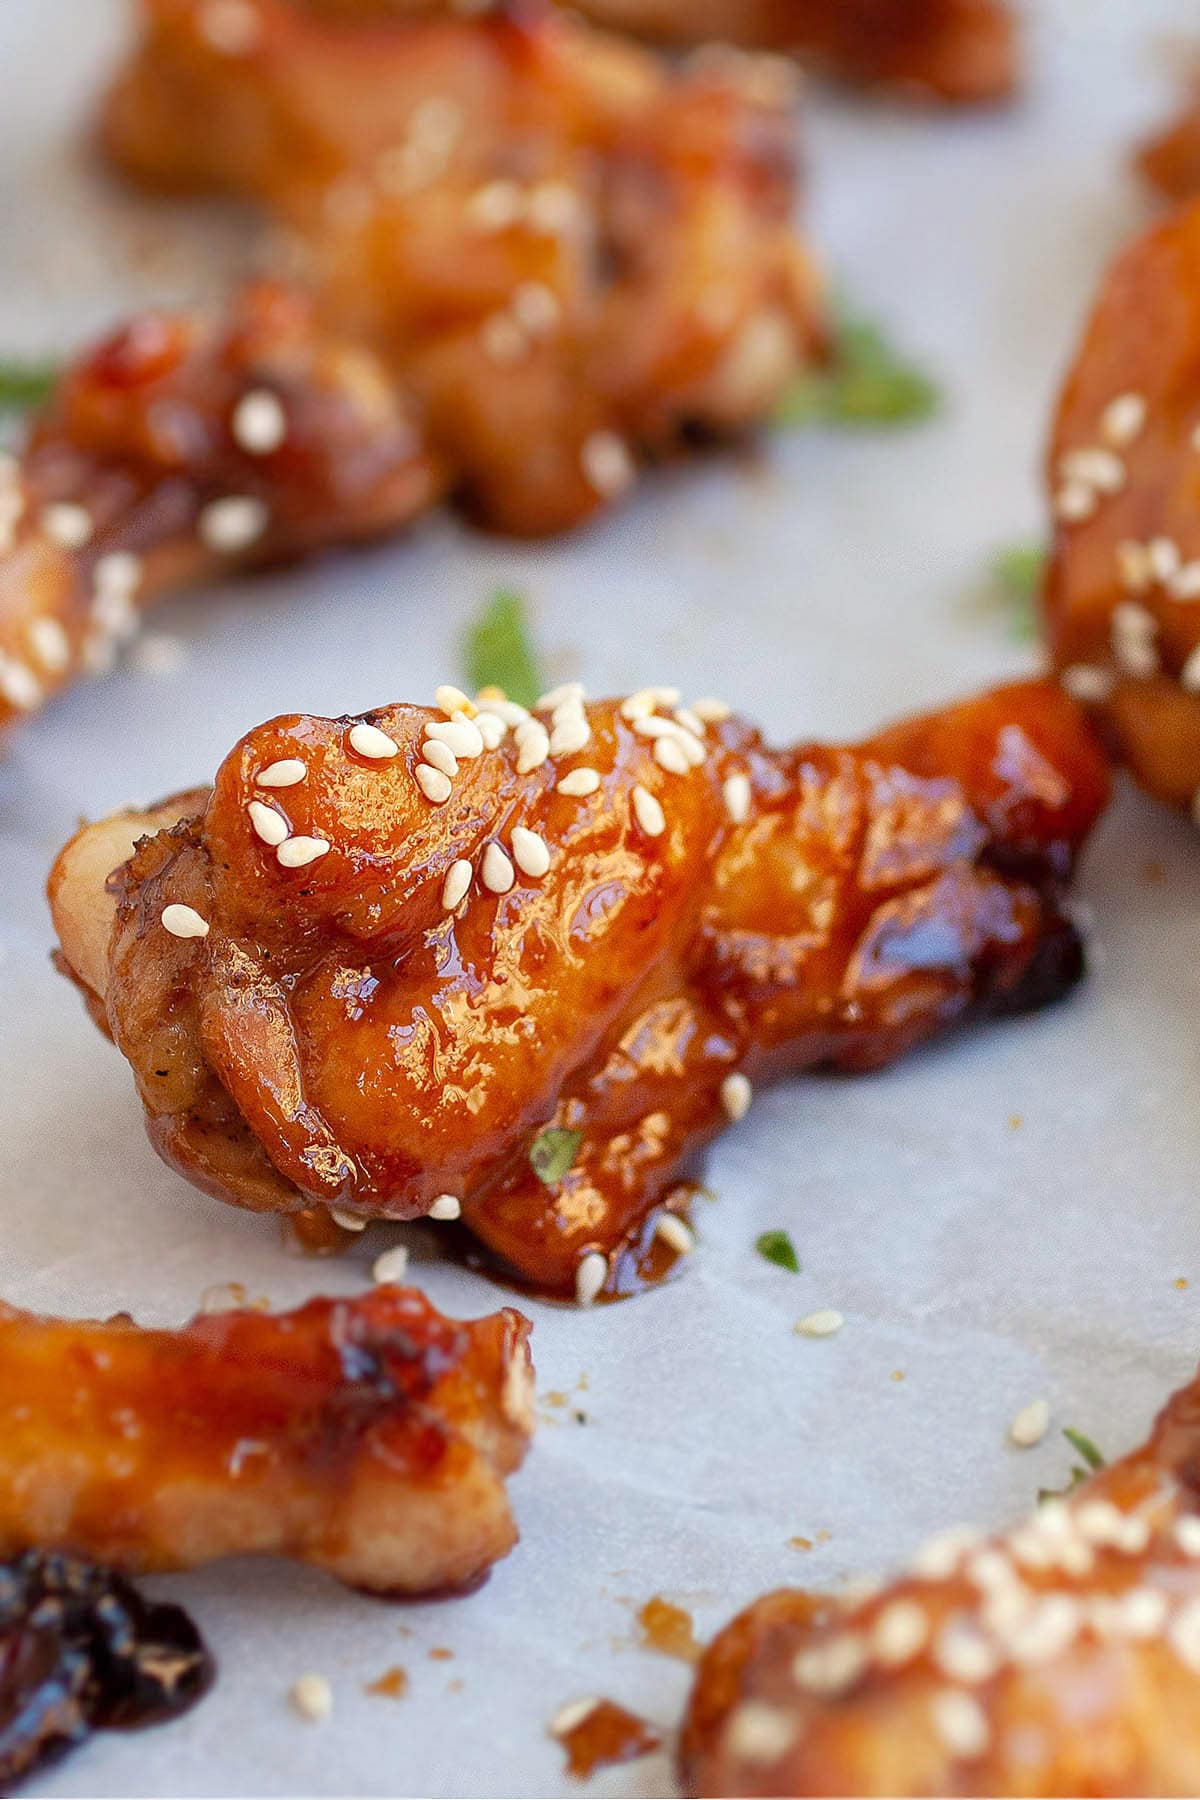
(392, 1684)
(607, 1734)
(667, 1628)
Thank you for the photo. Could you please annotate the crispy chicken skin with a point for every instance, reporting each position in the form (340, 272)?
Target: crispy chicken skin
(386, 1011)
(1124, 575)
(1063, 1658)
(369, 1437)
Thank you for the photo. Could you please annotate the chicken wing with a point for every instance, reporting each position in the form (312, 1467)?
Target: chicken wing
(1124, 575)
(1170, 160)
(386, 956)
(369, 1437)
(1062, 1658)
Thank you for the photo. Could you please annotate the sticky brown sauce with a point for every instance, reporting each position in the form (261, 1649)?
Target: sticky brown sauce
(606, 1735)
(392, 1684)
(667, 1628)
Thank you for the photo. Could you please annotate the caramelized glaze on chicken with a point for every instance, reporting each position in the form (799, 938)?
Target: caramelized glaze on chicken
(1062, 1658)
(1170, 159)
(387, 954)
(369, 1437)
(1124, 576)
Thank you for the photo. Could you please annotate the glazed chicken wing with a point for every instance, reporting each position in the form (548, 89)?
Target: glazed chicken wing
(1170, 160)
(385, 956)
(1063, 1658)
(1124, 578)
(369, 1437)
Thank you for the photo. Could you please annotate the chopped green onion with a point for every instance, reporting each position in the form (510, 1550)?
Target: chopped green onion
(498, 650)
(777, 1247)
(25, 384)
(867, 382)
(552, 1153)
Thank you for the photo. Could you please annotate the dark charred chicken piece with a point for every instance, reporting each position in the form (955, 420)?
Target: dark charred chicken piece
(1062, 1658)
(383, 956)
(369, 1437)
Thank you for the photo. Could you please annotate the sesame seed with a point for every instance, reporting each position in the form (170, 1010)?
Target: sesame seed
(460, 735)
(259, 423)
(231, 525)
(445, 1207)
(491, 729)
(502, 339)
(1087, 682)
(530, 852)
(1051, 1625)
(567, 693)
(991, 1571)
(436, 120)
(1123, 418)
(184, 921)
(533, 745)
(713, 712)
(497, 872)
(269, 825)
(1099, 1521)
(569, 735)
(736, 1095)
(607, 463)
(18, 684)
(675, 1233)
(758, 1733)
(508, 710)
(392, 1265)
(114, 613)
(1163, 558)
(578, 783)
(690, 721)
(669, 755)
(960, 1723)
(231, 27)
(117, 573)
(1185, 583)
(1133, 632)
(1143, 1611)
(963, 1655)
(648, 813)
(639, 705)
(1189, 675)
(571, 1715)
(298, 852)
(941, 1555)
(590, 1275)
(313, 1697)
(1183, 1635)
(735, 791)
(369, 741)
(1074, 502)
(68, 526)
(495, 206)
(831, 1668)
(1101, 469)
(1133, 566)
(440, 756)
(824, 1323)
(433, 784)
(535, 307)
(649, 724)
(282, 774)
(349, 1221)
(457, 884)
(1187, 1534)
(553, 206)
(1031, 1424)
(50, 644)
(899, 1633)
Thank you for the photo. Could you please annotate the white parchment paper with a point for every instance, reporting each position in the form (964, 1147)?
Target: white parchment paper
(1006, 1215)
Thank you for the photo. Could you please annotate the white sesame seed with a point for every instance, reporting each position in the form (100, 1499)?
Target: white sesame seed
(461, 736)
(1134, 630)
(941, 1555)
(689, 720)
(536, 307)
(1088, 682)
(392, 1265)
(18, 684)
(713, 712)
(491, 729)
(591, 1273)
(736, 1095)
(437, 120)
(281, 774)
(68, 526)
(648, 813)
(259, 423)
(433, 784)
(269, 825)
(457, 884)
(508, 710)
(1185, 583)
(1143, 1611)
(1123, 418)
(1031, 1424)
(445, 1207)
(831, 1668)
(578, 783)
(639, 705)
(1133, 566)
(675, 1233)
(1187, 1534)
(569, 735)
(369, 741)
(1099, 1521)
(313, 1697)
(349, 1221)
(495, 206)
(232, 524)
(653, 725)
(1163, 557)
(502, 339)
(1101, 469)
(607, 463)
(1074, 502)
(530, 852)
(669, 755)
(553, 206)
(567, 693)
(1053, 1622)
(991, 1571)
(1189, 675)
(1134, 1535)
(440, 756)
(297, 852)
(533, 746)
(114, 613)
(758, 1734)
(497, 872)
(571, 1715)
(960, 1723)
(1183, 1635)
(117, 573)
(231, 27)
(824, 1323)
(963, 1654)
(49, 643)
(735, 791)
(899, 1633)
(184, 921)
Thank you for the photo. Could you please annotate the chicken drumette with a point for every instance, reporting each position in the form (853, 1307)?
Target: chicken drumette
(1063, 1658)
(369, 1437)
(468, 960)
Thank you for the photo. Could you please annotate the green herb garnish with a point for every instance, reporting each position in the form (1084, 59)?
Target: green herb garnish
(777, 1247)
(552, 1152)
(1092, 1458)
(25, 384)
(498, 651)
(867, 382)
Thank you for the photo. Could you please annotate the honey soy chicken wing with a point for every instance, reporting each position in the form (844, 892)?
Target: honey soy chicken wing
(369, 1437)
(1123, 582)
(382, 957)
(1062, 1658)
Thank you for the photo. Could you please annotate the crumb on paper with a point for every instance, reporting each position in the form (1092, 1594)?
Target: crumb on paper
(1181, 1281)
(312, 1697)
(897, 1375)
(1031, 1424)
(667, 1629)
(1015, 1121)
(441, 1653)
(800, 1543)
